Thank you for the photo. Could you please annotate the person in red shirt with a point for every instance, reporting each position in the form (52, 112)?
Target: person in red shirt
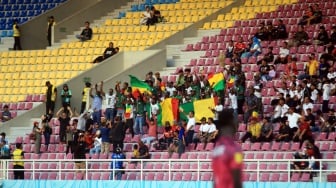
(304, 132)
(227, 161)
(240, 46)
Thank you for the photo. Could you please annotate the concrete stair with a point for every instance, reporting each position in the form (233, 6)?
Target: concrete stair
(6, 43)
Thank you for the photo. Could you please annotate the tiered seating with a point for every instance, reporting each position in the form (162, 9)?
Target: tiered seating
(22, 10)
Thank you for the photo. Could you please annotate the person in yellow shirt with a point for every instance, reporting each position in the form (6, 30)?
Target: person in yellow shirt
(311, 68)
(16, 35)
(85, 94)
(18, 164)
(253, 130)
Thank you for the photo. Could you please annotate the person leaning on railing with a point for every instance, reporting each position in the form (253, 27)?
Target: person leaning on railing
(18, 162)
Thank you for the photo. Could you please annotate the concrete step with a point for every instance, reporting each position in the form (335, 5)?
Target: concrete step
(201, 32)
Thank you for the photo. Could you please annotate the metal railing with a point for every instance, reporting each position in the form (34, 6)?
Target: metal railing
(171, 166)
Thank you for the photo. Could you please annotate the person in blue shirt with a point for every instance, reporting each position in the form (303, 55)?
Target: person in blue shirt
(4, 150)
(105, 133)
(97, 103)
(117, 164)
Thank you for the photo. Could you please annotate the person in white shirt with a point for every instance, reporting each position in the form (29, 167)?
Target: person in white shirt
(307, 104)
(326, 96)
(279, 111)
(154, 109)
(293, 119)
(332, 73)
(170, 89)
(314, 93)
(96, 144)
(217, 109)
(233, 102)
(145, 16)
(110, 101)
(190, 129)
(283, 54)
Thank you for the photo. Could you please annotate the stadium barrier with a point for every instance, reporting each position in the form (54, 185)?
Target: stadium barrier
(169, 166)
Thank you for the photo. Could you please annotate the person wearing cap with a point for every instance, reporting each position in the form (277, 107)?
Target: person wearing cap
(117, 164)
(66, 96)
(6, 115)
(253, 130)
(38, 132)
(85, 94)
(51, 95)
(18, 163)
(227, 157)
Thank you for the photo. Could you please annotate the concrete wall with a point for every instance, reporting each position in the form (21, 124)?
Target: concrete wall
(69, 17)
(117, 68)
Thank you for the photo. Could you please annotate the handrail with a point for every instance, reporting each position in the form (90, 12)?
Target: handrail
(5, 167)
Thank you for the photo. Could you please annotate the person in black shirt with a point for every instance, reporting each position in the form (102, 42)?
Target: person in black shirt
(64, 120)
(79, 153)
(117, 133)
(51, 96)
(109, 51)
(333, 35)
(322, 37)
(86, 33)
(51, 23)
(280, 31)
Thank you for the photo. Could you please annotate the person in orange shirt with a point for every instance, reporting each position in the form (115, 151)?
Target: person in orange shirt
(240, 46)
(291, 68)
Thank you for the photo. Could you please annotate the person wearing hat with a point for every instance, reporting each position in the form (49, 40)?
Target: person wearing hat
(117, 163)
(38, 132)
(66, 96)
(18, 164)
(253, 130)
(51, 95)
(227, 157)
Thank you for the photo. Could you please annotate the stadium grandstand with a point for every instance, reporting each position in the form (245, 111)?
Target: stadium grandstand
(127, 93)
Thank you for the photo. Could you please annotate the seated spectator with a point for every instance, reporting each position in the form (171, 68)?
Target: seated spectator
(300, 38)
(279, 111)
(253, 131)
(207, 131)
(284, 131)
(251, 105)
(300, 165)
(293, 119)
(268, 57)
(311, 120)
(264, 71)
(308, 16)
(152, 132)
(333, 35)
(146, 16)
(283, 54)
(306, 105)
(322, 37)
(229, 50)
(240, 46)
(270, 30)
(86, 33)
(266, 134)
(178, 145)
(109, 51)
(280, 31)
(143, 151)
(291, 68)
(262, 33)
(323, 68)
(88, 140)
(135, 152)
(310, 68)
(157, 17)
(254, 50)
(328, 125)
(6, 115)
(304, 132)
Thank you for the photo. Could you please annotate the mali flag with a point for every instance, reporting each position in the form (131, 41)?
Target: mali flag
(169, 109)
(231, 81)
(217, 81)
(139, 86)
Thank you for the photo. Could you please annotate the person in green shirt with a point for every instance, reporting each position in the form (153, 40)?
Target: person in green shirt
(120, 101)
(139, 107)
(240, 89)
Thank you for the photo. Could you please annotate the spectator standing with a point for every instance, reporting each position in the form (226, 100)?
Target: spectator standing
(85, 94)
(16, 35)
(86, 33)
(105, 133)
(326, 96)
(64, 120)
(139, 116)
(292, 121)
(233, 103)
(79, 153)
(6, 115)
(46, 129)
(117, 133)
(190, 128)
(38, 132)
(310, 69)
(66, 96)
(4, 150)
(240, 89)
(51, 95)
(50, 28)
(97, 103)
(129, 115)
(117, 164)
(96, 144)
(227, 157)
(69, 139)
(110, 102)
(18, 164)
